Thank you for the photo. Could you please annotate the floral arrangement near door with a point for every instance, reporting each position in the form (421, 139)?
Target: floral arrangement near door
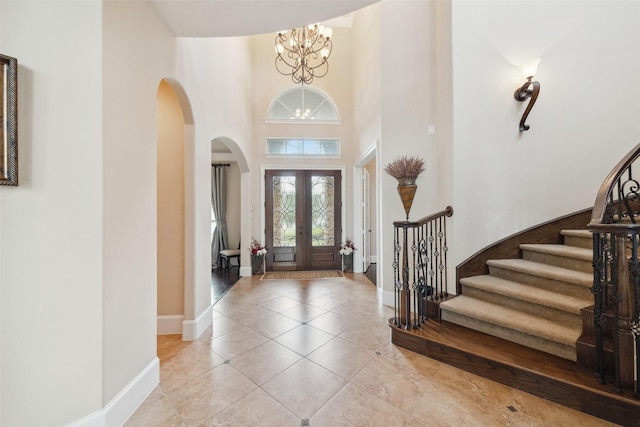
(346, 250)
(258, 251)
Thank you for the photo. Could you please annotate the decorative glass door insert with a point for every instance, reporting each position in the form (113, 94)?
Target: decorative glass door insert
(284, 211)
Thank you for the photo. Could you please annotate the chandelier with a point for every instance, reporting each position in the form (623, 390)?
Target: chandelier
(302, 53)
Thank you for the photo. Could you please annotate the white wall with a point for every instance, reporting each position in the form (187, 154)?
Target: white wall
(408, 107)
(138, 52)
(365, 76)
(51, 269)
(216, 76)
(583, 123)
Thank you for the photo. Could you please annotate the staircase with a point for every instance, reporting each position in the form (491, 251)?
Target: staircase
(535, 300)
(518, 315)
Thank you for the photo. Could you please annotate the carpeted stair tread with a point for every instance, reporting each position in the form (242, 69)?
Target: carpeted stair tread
(527, 293)
(527, 324)
(586, 234)
(560, 250)
(544, 270)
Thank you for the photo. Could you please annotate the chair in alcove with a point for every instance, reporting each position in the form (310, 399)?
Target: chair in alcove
(227, 255)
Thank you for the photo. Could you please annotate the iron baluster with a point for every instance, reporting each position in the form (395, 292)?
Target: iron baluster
(615, 300)
(596, 290)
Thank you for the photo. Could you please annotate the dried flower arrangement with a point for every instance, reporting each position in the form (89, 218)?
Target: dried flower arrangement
(405, 169)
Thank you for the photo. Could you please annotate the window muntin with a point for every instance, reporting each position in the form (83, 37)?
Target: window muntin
(303, 105)
(303, 147)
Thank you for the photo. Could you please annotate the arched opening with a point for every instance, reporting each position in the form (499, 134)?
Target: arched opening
(173, 129)
(226, 151)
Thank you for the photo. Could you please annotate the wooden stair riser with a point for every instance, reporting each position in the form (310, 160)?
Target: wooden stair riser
(560, 316)
(585, 347)
(579, 241)
(558, 261)
(557, 349)
(586, 356)
(586, 353)
(588, 326)
(566, 288)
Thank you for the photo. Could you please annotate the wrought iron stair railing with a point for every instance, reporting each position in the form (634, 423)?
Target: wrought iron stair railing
(420, 268)
(615, 225)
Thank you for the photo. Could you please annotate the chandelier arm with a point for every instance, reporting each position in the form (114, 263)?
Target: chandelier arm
(326, 69)
(291, 69)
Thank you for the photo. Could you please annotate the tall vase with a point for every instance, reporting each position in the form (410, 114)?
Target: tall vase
(257, 264)
(407, 190)
(347, 263)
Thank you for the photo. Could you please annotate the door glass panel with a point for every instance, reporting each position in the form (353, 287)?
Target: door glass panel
(322, 210)
(284, 211)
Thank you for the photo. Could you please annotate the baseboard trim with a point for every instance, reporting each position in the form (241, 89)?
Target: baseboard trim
(245, 271)
(121, 407)
(192, 329)
(170, 324)
(386, 297)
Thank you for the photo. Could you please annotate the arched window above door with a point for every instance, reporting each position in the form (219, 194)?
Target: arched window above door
(303, 104)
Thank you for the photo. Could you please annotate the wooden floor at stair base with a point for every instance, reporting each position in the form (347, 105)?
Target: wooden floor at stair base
(532, 371)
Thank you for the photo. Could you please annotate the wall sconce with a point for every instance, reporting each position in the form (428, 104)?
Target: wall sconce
(523, 92)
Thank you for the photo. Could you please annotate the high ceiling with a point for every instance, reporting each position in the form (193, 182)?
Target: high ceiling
(221, 18)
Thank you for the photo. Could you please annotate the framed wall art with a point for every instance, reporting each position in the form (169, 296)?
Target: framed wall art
(8, 120)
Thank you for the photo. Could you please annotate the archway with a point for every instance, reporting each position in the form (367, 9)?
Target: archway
(223, 150)
(174, 127)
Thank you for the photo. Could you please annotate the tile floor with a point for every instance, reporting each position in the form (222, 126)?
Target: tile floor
(317, 353)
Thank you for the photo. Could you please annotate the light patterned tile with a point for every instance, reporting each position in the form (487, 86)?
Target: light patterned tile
(456, 398)
(198, 388)
(273, 326)
(306, 294)
(354, 407)
(327, 302)
(191, 362)
(255, 409)
(531, 410)
(341, 357)
(265, 361)
(303, 339)
(205, 396)
(393, 382)
(303, 312)
(237, 342)
(157, 411)
(332, 323)
(368, 336)
(169, 345)
(280, 303)
(304, 387)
